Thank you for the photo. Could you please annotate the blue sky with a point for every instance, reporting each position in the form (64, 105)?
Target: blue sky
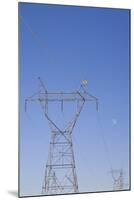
(63, 45)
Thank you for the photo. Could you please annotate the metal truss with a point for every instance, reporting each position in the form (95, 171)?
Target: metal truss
(60, 173)
(118, 179)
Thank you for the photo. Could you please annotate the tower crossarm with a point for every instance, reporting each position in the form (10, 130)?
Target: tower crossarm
(42, 97)
(72, 96)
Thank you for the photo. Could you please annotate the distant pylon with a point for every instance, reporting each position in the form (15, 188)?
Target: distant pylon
(60, 172)
(118, 179)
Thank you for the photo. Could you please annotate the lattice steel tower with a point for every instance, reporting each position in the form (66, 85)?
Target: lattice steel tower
(118, 179)
(60, 173)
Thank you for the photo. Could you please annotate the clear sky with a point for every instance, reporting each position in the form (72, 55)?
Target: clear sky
(63, 45)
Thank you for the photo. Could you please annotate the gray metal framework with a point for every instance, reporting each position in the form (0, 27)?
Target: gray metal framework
(60, 172)
(118, 179)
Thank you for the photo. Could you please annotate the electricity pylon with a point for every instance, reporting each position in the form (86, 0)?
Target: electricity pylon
(118, 179)
(60, 173)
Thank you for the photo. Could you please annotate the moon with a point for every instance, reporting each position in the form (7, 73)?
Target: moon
(114, 121)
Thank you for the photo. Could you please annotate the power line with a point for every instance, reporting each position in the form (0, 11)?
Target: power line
(29, 28)
(101, 133)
